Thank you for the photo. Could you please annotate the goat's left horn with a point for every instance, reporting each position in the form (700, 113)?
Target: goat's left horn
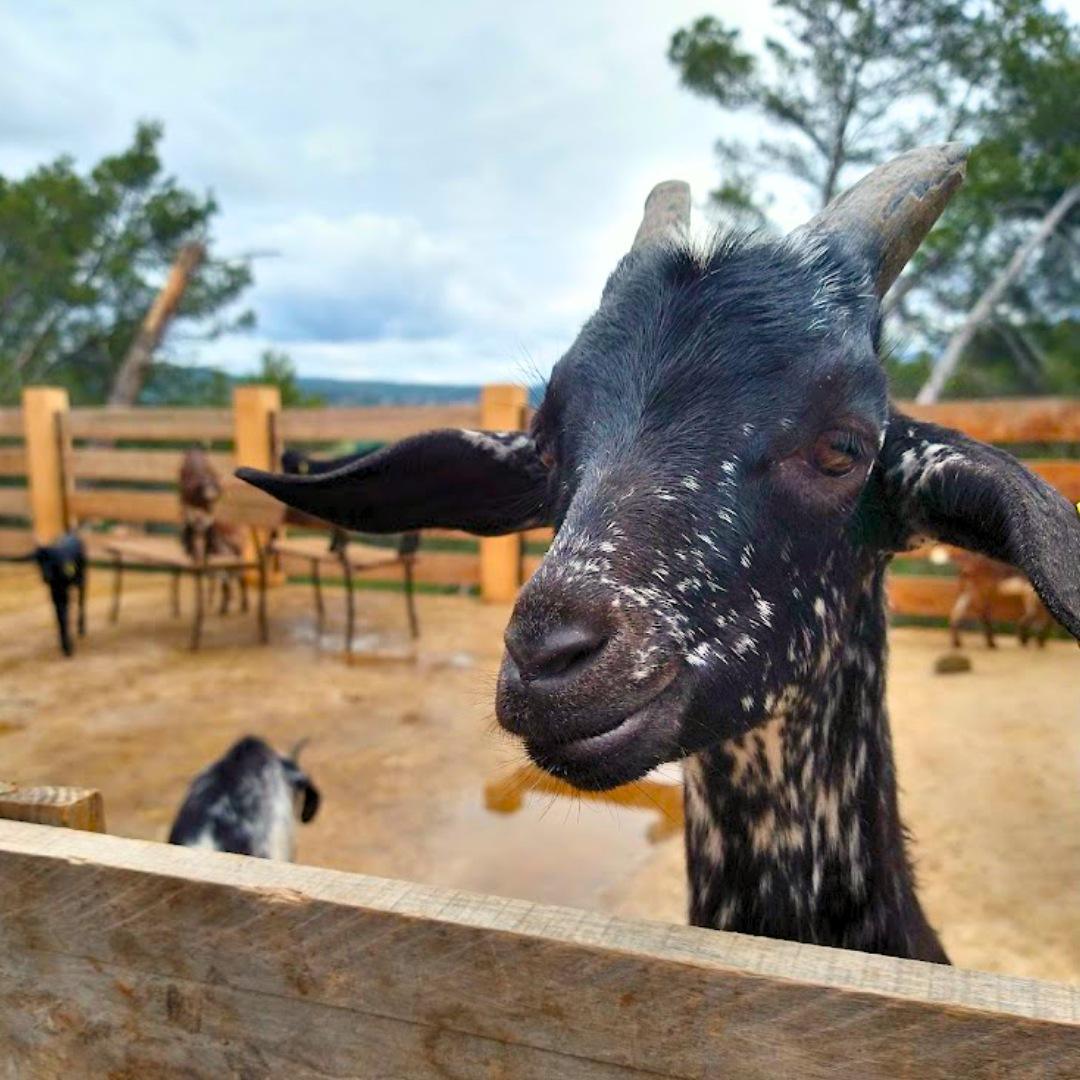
(667, 211)
(888, 212)
(294, 753)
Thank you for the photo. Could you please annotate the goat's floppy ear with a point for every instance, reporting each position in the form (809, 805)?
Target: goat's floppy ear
(942, 484)
(311, 802)
(484, 482)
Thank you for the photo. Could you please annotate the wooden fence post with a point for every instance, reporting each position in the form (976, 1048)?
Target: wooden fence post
(502, 408)
(44, 409)
(65, 807)
(256, 423)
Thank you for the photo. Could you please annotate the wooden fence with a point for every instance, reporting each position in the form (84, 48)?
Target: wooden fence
(129, 958)
(60, 465)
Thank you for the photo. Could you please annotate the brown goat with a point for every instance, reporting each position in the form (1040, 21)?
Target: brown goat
(980, 580)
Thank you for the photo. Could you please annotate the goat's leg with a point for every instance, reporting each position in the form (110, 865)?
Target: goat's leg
(81, 584)
(320, 607)
(118, 585)
(988, 627)
(226, 594)
(410, 600)
(196, 624)
(350, 606)
(175, 590)
(59, 589)
(956, 616)
(243, 592)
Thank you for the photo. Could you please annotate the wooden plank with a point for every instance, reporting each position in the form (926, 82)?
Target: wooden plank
(376, 423)
(147, 956)
(14, 543)
(152, 424)
(65, 807)
(162, 507)
(12, 461)
(1005, 420)
(502, 408)
(14, 502)
(44, 409)
(915, 594)
(448, 568)
(1062, 473)
(11, 423)
(148, 466)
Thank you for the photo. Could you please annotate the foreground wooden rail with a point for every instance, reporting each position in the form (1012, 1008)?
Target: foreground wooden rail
(123, 957)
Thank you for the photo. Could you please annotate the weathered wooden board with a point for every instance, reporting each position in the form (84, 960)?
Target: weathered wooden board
(12, 461)
(14, 502)
(376, 423)
(1005, 420)
(11, 423)
(149, 466)
(162, 507)
(151, 424)
(67, 807)
(933, 597)
(128, 958)
(15, 543)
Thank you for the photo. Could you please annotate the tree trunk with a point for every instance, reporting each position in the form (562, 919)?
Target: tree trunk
(945, 367)
(132, 372)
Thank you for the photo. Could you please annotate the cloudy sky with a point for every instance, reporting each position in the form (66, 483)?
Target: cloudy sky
(444, 186)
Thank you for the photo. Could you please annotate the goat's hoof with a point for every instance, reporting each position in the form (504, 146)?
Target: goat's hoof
(952, 663)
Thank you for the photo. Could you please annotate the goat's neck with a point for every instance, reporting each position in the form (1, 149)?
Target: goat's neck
(792, 830)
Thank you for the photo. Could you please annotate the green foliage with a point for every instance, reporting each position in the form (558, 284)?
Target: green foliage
(82, 257)
(851, 82)
(277, 369)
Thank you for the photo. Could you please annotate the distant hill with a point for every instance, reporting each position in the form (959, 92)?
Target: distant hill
(374, 392)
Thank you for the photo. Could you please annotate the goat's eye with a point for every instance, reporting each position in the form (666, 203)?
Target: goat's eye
(835, 452)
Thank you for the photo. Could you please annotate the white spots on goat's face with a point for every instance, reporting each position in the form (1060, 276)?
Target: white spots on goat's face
(501, 445)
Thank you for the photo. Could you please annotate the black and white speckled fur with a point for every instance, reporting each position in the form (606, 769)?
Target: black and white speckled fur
(247, 802)
(728, 481)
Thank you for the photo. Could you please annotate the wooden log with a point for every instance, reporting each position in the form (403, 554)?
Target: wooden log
(66, 807)
(133, 958)
(375, 423)
(44, 408)
(502, 408)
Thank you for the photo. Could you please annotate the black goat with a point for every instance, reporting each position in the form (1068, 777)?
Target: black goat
(63, 568)
(247, 802)
(728, 481)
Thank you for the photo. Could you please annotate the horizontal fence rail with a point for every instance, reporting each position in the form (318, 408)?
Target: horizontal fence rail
(119, 467)
(149, 959)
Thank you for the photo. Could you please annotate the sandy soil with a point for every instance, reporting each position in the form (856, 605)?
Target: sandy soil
(989, 761)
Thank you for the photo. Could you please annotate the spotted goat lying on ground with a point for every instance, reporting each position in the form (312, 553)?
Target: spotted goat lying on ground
(728, 482)
(247, 802)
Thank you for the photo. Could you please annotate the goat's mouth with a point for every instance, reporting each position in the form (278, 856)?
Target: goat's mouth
(625, 751)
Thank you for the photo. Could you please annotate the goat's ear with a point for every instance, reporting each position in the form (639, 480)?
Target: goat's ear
(939, 483)
(484, 482)
(311, 802)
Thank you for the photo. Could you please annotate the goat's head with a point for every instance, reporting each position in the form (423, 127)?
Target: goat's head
(718, 455)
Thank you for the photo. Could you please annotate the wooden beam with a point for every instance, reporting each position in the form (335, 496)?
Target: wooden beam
(373, 423)
(66, 807)
(14, 502)
(14, 543)
(162, 507)
(182, 425)
(149, 466)
(12, 460)
(502, 408)
(11, 423)
(1005, 420)
(44, 408)
(149, 959)
(256, 419)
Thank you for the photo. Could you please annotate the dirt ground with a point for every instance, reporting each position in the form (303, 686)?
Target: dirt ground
(989, 761)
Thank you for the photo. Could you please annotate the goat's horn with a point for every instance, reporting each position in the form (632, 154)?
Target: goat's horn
(889, 211)
(667, 210)
(294, 753)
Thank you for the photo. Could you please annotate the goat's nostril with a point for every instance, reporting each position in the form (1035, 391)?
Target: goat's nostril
(555, 652)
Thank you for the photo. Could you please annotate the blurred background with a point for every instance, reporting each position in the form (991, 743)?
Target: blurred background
(434, 196)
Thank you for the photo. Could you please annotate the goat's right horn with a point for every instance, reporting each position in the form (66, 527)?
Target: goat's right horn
(667, 211)
(299, 745)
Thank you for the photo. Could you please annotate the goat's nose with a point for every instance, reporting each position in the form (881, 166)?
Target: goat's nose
(555, 652)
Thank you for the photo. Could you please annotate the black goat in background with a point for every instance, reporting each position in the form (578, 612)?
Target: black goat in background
(63, 567)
